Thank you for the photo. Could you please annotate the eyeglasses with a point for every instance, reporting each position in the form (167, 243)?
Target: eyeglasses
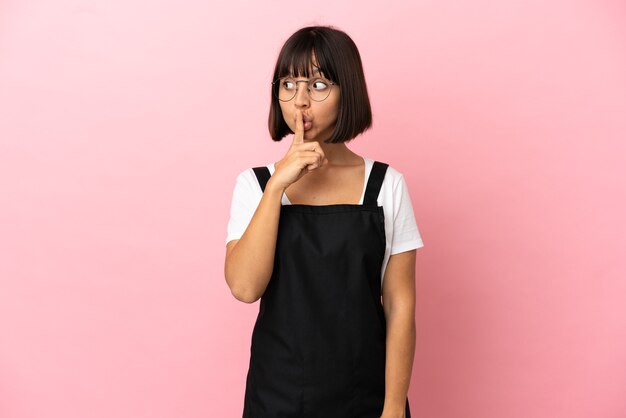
(287, 88)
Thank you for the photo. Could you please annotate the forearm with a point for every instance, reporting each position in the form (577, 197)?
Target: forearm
(250, 265)
(399, 361)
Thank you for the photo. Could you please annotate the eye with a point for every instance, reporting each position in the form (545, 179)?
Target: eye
(288, 84)
(320, 84)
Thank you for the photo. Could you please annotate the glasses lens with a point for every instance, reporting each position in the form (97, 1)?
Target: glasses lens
(285, 88)
(319, 89)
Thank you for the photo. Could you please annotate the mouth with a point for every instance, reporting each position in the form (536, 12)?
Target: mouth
(306, 118)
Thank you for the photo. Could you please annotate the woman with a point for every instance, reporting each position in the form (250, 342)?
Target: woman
(319, 236)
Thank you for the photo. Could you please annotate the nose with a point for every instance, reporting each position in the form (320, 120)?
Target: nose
(302, 96)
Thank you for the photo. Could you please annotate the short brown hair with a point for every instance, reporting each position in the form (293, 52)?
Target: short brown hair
(339, 60)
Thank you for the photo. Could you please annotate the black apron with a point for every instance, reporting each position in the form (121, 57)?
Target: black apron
(319, 341)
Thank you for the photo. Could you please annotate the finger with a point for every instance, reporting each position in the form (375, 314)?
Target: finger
(310, 159)
(298, 137)
(322, 156)
(313, 147)
(323, 159)
(312, 162)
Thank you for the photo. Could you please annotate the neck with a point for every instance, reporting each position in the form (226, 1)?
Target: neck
(338, 154)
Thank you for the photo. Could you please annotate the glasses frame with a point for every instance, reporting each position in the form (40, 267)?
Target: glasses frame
(308, 88)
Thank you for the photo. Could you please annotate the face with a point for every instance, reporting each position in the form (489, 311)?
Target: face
(322, 115)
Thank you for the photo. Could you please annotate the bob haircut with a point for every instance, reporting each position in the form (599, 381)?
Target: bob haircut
(339, 61)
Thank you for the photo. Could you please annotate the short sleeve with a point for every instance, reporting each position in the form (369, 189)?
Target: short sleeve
(406, 235)
(245, 200)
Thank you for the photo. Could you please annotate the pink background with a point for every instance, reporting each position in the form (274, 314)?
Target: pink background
(124, 124)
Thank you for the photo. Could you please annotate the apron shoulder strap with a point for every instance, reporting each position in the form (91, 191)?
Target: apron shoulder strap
(262, 175)
(372, 190)
(374, 183)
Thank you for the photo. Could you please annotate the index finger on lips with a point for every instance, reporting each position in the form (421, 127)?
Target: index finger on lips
(298, 137)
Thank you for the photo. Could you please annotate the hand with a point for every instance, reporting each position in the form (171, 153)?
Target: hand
(301, 158)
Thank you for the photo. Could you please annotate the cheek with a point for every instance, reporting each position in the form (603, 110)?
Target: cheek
(286, 115)
(332, 112)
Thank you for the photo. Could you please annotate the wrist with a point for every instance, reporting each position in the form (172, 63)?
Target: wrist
(273, 189)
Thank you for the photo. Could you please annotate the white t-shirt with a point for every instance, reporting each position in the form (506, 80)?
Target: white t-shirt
(400, 227)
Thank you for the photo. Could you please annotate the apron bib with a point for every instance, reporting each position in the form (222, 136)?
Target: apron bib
(319, 342)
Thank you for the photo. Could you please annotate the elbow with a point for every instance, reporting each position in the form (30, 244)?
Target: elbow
(238, 289)
(242, 294)
(244, 297)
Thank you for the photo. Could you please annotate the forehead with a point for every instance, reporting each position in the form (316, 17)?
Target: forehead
(301, 63)
(312, 70)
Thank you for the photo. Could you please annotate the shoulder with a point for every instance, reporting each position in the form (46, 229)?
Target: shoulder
(392, 188)
(247, 185)
(393, 175)
(247, 177)
(392, 178)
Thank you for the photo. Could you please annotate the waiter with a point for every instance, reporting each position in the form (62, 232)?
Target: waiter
(320, 342)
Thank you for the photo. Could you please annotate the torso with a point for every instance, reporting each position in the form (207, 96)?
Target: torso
(332, 185)
(318, 344)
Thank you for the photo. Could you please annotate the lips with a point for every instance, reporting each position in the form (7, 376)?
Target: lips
(307, 121)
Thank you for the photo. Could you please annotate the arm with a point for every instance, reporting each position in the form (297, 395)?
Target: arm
(250, 260)
(399, 305)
